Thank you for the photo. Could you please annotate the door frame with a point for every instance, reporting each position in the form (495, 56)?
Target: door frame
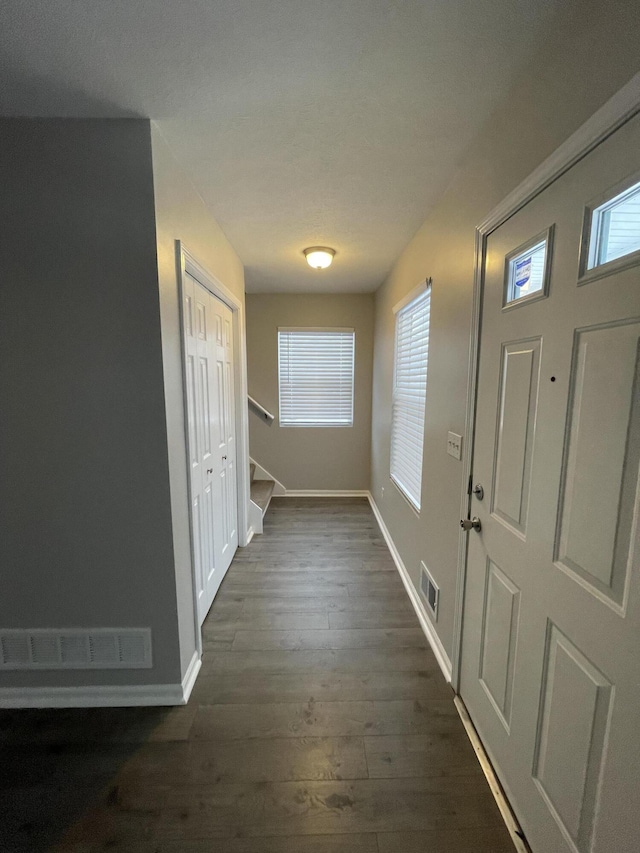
(624, 105)
(187, 264)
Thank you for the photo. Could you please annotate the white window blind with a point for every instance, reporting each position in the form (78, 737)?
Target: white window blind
(409, 395)
(315, 368)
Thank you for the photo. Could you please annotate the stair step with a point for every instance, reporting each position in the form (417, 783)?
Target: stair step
(252, 471)
(261, 491)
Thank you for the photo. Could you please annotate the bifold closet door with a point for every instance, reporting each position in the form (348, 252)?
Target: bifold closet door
(208, 337)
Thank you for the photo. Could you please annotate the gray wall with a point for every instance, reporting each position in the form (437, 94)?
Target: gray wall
(592, 53)
(86, 516)
(332, 458)
(182, 215)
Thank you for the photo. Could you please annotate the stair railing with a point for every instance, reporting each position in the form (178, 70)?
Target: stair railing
(260, 411)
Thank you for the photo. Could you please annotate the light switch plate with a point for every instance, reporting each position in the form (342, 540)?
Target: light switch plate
(454, 445)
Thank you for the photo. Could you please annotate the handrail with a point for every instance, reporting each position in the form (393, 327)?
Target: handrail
(260, 411)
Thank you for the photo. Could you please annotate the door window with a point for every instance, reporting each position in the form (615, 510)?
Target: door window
(527, 270)
(613, 230)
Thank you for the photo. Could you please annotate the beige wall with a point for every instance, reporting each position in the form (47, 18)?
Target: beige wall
(308, 458)
(182, 215)
(592, 53)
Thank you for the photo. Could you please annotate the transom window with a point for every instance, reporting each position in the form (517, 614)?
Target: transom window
(410, 395)
(315, 372)
(615, 228)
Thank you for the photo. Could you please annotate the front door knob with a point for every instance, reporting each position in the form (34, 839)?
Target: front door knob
(470, 523)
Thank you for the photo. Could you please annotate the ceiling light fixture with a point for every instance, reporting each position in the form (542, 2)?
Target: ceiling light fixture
(319, 257)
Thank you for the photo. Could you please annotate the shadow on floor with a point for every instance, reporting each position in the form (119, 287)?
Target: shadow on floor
(58, 766)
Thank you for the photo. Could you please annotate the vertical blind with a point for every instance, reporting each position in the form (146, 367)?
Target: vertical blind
(315, 369)
(409, 395)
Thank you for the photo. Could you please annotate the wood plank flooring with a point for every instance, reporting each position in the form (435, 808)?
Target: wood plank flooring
(320, 723)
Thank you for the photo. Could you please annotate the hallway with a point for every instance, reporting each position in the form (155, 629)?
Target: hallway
(320, 723)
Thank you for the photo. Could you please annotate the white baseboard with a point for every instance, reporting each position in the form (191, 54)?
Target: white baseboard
(190, 676)
(327, 493)
(434, 640)
(103, 696)
(250, 535)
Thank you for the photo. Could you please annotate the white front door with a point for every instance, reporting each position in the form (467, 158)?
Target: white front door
(211, 437)
(550, 667)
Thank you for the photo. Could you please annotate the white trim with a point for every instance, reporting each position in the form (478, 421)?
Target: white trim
(190, 677)
(414, 293)
(257, 518)
(187, 263)
(510, 820)
(104, 696)
(326, 493)
(124, 696)
(261, 473)
(434, 640)
(617, 110)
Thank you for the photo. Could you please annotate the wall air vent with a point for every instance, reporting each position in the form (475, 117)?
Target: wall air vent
(430, 591)
(75, 648)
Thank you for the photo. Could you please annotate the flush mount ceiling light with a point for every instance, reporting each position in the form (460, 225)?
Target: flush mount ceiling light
(319, 257)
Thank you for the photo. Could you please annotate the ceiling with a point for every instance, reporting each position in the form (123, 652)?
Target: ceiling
(300, 122)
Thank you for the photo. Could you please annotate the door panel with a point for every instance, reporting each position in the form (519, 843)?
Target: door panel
(550, 670)
(499, 637)
(516, 424)
(569, 750)
(601, 455)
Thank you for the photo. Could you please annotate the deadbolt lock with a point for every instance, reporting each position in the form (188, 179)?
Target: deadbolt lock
(478, 491)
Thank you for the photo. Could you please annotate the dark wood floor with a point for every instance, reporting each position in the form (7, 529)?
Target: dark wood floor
(320, 723)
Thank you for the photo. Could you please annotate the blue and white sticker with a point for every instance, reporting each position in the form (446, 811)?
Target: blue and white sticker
(523, 271)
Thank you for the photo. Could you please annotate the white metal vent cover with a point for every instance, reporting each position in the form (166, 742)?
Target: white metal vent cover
(430, 591)
(75, 648)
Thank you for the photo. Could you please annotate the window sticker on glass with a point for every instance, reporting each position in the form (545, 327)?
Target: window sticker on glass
(523, 273)
(527, 271)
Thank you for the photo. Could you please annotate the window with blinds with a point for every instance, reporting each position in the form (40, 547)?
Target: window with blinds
(315, 372)
(409, 395)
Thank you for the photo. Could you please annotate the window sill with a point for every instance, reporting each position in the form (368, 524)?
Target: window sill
(405, 497)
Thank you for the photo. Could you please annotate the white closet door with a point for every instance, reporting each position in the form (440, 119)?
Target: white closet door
(211, 438)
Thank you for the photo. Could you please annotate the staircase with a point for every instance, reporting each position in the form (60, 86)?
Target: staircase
(261, 493)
